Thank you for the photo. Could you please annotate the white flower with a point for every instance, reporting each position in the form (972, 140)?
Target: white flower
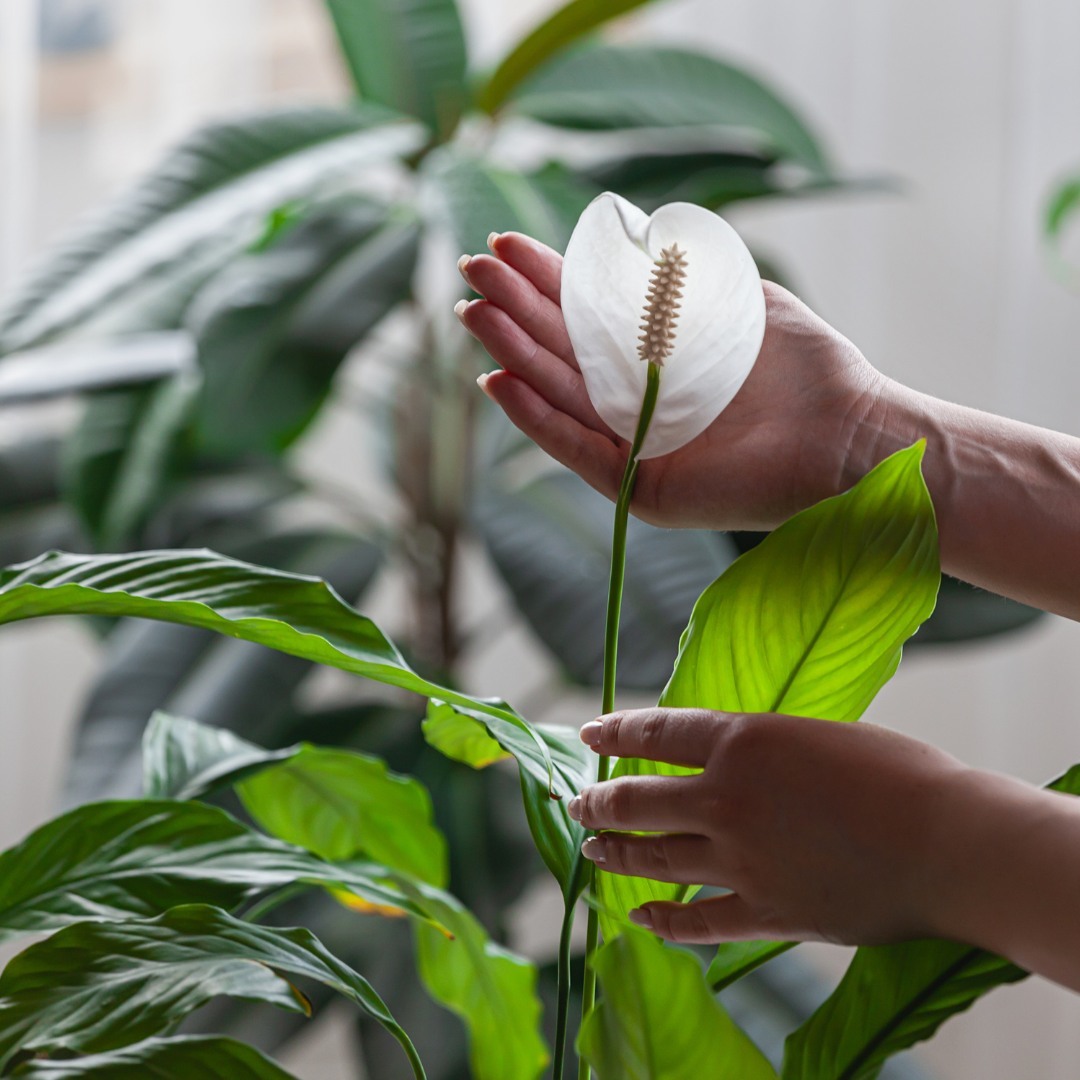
(678, 288)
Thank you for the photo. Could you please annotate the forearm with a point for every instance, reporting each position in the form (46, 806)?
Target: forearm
(1007, 494)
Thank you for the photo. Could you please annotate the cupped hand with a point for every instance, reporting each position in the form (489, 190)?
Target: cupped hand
(821, 830)
(783, 443)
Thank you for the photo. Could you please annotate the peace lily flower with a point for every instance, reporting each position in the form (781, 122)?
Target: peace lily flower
(677, 289)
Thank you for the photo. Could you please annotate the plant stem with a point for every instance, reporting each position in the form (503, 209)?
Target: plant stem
(611, 651)
(563, 992)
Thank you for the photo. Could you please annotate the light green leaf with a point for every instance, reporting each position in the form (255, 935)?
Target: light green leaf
(566, 25)
(657, 1019)
(292, 613)
(811, 622)
(179, 1058)
(136, 265)
(461, 738)
(610, 86)
(112, 860)
(406, 54)
(98, 986)
(275, 325)
(893, 996)
(1063, 204)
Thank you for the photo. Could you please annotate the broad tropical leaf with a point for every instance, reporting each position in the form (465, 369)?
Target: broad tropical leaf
(893, 996)
(97, 986)
(113, 860)
(811, 622)
(610, 86)
(275, 325)
(178, 1058)
(734, 959)
(298, 615)
(137, 264)
(406, 54)
(657, 1019)
(562, 28)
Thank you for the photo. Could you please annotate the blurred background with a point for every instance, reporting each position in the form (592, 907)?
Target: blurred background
(951, 130)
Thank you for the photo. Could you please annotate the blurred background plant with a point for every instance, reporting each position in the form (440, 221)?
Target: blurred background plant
(205, 319)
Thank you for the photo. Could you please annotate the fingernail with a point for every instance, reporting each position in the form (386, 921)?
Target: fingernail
(590, 733)
(481, 381)
(463, 266)
(459, 310)
(640, 917)
(492, 237)
(574, 809)
(594, 850)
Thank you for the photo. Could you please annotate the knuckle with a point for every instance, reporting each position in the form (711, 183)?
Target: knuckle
(653, 725)
(612, 728)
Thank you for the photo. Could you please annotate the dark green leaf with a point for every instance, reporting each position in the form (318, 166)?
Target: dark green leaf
(115, 859)
(99, 986)
(551, 542)
(834, 592)
(734, 959)
(275, 325)
(121, 458)
(297, 615)
(565, 26)
(609, 86)
(657, 1019)
(137, 264)
(893, 996)
(179, 1058)
(406, 54)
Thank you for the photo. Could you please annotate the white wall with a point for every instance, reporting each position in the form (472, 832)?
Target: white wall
(974, 107)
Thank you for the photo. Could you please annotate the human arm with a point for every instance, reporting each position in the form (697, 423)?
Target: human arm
(812, 417)
(846, 833)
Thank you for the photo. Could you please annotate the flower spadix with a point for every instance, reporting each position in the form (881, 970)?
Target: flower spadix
(678, 289)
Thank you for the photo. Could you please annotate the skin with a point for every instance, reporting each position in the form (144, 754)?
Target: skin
(823, 831)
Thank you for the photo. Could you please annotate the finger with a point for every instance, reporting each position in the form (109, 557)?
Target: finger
(679, 857)
(517, 352)
(593, 456)
(641, 803)
(703, 922)
(539, 263)
(540, 317)
(677, 736)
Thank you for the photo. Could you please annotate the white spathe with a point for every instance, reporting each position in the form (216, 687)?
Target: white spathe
(605, 279)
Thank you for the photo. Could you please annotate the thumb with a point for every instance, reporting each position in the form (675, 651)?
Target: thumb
(704, 922)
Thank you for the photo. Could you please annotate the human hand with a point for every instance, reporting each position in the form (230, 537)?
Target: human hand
(823, 831)
(782, 444)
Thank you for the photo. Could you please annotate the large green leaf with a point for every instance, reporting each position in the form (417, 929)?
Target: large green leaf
(137, 265)
(406, 54)
(609, 86)
(563, 27)
(811, 622)
(179, 1058)
(276, 324)
(893, 996)
(112, 860)
(97, 986)
(657, 1019)
(123, 455)
(551, 542)
(295, 614)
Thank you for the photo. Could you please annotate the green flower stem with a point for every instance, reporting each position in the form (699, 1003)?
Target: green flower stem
(563, 992)
(611, 651)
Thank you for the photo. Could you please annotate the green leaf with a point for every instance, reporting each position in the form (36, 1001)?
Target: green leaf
(1061, 207)
(178, 1058)
(657, 1019)
(734, 959)
(566, 25)
(475, 198)
(294, 614)
(137, 264)
(112, 860)
(610, 87)
(551, 543)
(834, 592)
(893, 996)
(491, 989)
(98, 986)
(461, 738)
(406, 54)
(275, 325)
(122, 456)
